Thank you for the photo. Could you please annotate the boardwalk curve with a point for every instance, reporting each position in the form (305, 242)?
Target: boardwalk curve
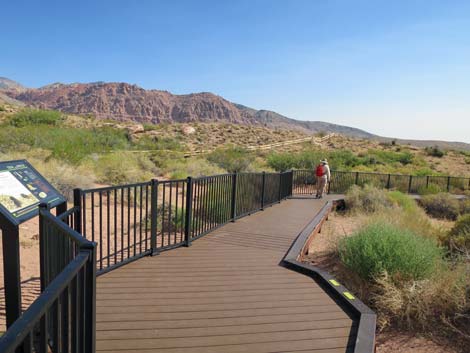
(228, 292)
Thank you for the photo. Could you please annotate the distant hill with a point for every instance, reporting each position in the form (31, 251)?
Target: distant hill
(126, 102)
(7, 84)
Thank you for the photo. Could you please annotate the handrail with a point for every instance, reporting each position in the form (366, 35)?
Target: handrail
(62, 318)
(25, 325)
(304, 181)
(135, 220)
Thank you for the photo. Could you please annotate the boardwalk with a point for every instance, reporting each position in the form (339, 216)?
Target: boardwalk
(226, 293)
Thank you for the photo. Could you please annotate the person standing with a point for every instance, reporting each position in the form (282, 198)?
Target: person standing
(323, 177)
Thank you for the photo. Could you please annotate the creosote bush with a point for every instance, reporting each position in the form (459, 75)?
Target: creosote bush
(422, 304)
(368, 199)
(381, 247)
(434, 152)
(441, 205)
(28, 117)
(459, 235)
(121, 167)
(233, 159)
(431, 189)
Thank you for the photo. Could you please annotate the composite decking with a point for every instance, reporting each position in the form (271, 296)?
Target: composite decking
(227, 293)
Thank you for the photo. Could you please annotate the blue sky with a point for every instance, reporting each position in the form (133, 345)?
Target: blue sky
(396, 68)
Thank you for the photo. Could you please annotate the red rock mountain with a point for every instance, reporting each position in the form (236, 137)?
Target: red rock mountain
(122, 101)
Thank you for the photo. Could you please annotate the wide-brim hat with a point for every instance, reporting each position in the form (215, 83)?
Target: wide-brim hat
(324, 161)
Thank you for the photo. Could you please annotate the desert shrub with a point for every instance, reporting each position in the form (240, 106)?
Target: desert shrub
(380, 248)
(149, 127)
(233, 159)
(160, 143)
(403, 201)
(431, 189)
(368, 199)
(434, 152)
(441, 205)
(459, 235)
(280, 161)
(65, 177)
(122, 167)
(29, 117)
(195, 167)
(69, 144)
(422, 304)
(2, 108)
(465, 206)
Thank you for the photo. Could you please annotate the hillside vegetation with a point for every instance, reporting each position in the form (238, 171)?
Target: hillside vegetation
(81, 150)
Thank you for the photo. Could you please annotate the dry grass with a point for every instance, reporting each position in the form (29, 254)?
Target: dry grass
(437, 307)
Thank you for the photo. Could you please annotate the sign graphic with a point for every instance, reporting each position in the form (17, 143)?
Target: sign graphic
(22, 189)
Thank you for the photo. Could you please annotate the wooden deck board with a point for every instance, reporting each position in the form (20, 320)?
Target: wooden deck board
(226, 293)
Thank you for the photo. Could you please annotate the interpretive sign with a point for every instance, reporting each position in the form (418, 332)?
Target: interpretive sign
(22, 189)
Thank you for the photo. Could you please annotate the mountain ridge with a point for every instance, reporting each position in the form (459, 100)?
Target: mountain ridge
(129, 102)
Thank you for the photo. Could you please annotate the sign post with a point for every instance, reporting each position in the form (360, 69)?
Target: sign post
(22, 189)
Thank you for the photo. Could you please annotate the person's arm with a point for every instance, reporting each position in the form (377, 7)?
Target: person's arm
(328, 174)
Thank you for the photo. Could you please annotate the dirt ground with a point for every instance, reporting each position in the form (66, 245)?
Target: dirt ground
(391, 341)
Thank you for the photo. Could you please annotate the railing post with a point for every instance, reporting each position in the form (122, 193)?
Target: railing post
(448, 184)
(388, 181)
(90, 299)
(427, 181)
(153, 216)
(233, 207)
(357, 178)
(291, 184)
(189, 211)
(280, 187)
(409, 184)
(263, 186)
(77, 202)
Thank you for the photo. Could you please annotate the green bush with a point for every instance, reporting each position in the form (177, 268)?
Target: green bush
(2, 108)
(403, 201)
(441, 205)
(233, 159)
(122, 167)
(368, 199)
(69, 144)
(434, 152)
(161, 143)
(380, 248)
(459, 235)
(431, 189)
(465, 206)
(30, 117)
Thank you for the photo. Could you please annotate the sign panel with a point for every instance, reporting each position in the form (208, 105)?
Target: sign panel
(22, 189)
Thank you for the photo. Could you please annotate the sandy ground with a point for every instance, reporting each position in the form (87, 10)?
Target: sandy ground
(391, 341)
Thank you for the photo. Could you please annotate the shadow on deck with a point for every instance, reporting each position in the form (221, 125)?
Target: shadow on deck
(227, 293)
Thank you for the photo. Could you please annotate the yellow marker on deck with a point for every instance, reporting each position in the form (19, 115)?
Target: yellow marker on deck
(334, 282)
(349, 295)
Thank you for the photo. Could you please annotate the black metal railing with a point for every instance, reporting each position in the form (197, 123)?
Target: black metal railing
(62, 318)
(170, 202)
(304, 182)
(210, 205)
(131, 221)
(118, 219)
